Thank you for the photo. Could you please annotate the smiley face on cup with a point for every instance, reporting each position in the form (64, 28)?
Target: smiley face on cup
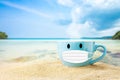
(78, 53)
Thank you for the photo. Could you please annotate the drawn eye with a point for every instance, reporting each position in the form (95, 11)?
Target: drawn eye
(68, 46)
(80, 45)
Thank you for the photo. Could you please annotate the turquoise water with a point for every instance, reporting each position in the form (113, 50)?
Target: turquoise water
(14, 48)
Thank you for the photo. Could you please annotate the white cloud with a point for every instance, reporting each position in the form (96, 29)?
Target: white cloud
(24, 8)
(86, 30)
(81, 30)
(76, 14)
(83, 13)
(103, 4)
(68, 3)
(111, 31)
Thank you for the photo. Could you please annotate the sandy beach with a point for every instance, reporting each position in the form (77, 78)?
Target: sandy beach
(55, 70)
(39, 61)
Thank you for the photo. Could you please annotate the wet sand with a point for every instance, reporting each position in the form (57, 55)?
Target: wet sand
(55, 70)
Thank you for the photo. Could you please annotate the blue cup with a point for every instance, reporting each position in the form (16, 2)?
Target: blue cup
(78, 53)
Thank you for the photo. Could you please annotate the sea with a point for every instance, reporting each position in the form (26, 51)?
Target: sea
(15, 48)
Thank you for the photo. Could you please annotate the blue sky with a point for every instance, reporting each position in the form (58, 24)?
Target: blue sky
(59, 18)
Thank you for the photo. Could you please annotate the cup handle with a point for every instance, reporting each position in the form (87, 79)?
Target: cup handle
(99, 58)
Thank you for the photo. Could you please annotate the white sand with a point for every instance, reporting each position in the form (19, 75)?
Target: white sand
(55, 70)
